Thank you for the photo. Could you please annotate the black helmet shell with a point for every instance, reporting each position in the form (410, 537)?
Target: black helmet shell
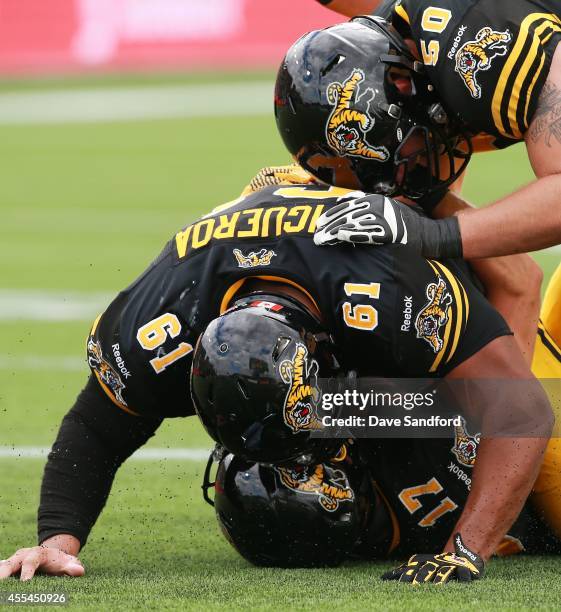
(254, 380)
(347, 123)
(307, 516)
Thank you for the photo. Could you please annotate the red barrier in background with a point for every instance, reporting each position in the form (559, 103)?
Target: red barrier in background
(46, 36)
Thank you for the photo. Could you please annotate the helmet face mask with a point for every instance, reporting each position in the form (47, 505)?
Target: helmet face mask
(348, 101)
(254, 381)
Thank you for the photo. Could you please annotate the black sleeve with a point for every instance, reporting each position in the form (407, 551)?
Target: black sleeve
(94, 439)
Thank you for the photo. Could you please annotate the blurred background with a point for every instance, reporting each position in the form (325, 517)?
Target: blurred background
(120, 122)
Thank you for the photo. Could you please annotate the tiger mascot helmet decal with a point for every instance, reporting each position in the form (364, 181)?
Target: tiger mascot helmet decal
(330, 490)
(300, 374)
(350, 119)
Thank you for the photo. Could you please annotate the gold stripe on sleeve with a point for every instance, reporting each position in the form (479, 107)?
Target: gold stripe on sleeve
(458, 323)
(400, 10)
(499, 102)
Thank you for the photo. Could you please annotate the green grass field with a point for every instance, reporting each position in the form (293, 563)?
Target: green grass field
(84, 208)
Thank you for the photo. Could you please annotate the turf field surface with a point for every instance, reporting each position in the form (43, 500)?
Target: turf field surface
(84, 208)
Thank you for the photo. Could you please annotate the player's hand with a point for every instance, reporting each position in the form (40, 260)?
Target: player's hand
(363, 219)
(463, 566)
(292, 174)
(378, 220)
(51, 561)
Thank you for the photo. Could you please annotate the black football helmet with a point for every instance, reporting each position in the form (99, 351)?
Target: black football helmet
(301, 516)
(341, 114)
(254, 380)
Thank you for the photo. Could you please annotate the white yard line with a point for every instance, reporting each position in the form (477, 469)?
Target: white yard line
(37, 305)
(137, 103)
(49, 363)
(144, 454)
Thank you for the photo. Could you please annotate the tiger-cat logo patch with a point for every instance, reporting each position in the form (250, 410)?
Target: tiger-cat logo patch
(465, 445)
(254, 259)
(330, 486)
(350, 119)
(105, 371)
(434, 315)
(478, 54)
(300, 374)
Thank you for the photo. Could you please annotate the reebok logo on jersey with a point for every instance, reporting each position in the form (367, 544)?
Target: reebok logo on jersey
(460, 474)
(456, 42)
(120, 361)
(105, 372)
(407, 313)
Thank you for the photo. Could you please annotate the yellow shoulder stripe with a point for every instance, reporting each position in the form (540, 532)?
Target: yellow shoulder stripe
(112, 397)
(455, 322)
(402, 13)
(538, 37)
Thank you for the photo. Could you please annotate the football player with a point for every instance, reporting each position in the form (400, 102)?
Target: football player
(368, 504)
(406, 501)
(375, 103)
(255, 258)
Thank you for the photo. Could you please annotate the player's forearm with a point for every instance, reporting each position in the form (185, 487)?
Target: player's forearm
(503, 476)
(94, 439)
(76, 481)
(527, 220)
(350, 8)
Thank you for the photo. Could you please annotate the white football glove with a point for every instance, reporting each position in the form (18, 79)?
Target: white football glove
(378, 220)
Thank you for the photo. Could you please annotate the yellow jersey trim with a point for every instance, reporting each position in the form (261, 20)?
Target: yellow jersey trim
(402, 13)
(231, 291)
(551, 25)
(455, 323)
(112, 397)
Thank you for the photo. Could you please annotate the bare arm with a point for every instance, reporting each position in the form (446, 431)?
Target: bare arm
(530, 218)
(506, 467)
(512, 284)
(350, 8)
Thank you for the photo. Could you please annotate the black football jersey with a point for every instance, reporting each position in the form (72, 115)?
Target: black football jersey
(424, 485)
(488, 59)
(390, 312)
